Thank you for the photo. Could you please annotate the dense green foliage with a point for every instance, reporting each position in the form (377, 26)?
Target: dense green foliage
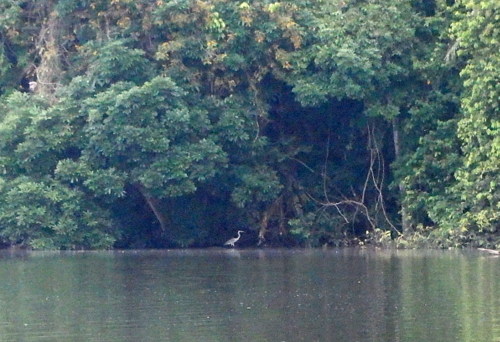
(175, 123)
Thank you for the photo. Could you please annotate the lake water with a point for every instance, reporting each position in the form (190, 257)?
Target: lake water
(250, 295)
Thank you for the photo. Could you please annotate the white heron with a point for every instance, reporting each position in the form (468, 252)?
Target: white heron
(232, 241)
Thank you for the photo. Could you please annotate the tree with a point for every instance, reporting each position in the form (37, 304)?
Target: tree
(306, 122)
(477, 35)
(361, 51)
(36, 209)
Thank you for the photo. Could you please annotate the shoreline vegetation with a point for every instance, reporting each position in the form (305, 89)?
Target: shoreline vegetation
(174, 124)
(396, 244)
(362, 247)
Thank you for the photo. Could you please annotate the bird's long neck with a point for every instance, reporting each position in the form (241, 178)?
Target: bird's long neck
(239, 233)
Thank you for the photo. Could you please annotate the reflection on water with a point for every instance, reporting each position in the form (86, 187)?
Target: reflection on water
(249, 295)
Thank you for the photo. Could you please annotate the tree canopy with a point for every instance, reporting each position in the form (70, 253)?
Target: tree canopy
(177, 122)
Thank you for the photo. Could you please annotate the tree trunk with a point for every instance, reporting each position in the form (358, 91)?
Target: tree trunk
(405, 222)
(154, 205)
(276, 208)
(48, 44)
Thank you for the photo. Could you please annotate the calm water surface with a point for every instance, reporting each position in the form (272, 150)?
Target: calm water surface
(250, 295)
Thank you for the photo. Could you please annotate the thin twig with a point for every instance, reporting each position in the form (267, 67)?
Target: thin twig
(302, 163)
